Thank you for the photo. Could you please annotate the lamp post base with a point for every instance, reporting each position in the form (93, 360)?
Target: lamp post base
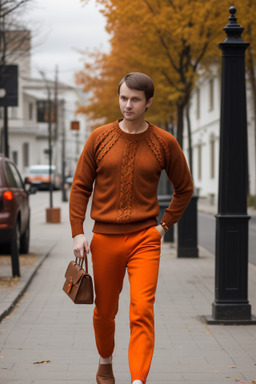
(230, 314)
(53, 215)
(208, 319)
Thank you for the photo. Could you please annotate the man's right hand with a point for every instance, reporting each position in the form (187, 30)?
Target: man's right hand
(80, 245)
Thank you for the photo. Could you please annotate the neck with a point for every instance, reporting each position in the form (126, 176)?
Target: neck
(133, 126)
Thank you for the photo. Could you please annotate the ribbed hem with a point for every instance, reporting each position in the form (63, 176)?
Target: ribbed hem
(110, 228)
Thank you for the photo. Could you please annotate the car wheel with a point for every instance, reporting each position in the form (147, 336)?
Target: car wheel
(24, 240)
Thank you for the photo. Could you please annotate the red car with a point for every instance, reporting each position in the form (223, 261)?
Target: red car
(14, 207)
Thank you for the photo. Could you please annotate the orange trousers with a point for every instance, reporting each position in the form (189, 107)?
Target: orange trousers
(139, 252)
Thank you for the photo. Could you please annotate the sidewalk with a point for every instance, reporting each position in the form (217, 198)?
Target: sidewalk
(48, 339)
(205, 206)
(43, 239)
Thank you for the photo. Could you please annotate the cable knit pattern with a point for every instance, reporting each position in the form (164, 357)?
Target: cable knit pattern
(155, 146)
(123, 170)
(105, 142)
(127, 172)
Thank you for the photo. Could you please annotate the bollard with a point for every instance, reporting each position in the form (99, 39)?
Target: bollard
(164, 202)
(187, 231)
(15, 245)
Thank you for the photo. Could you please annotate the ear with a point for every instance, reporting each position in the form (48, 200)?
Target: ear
(150, 101)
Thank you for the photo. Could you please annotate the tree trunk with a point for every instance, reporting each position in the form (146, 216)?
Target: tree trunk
(180, 123)
(190, 154)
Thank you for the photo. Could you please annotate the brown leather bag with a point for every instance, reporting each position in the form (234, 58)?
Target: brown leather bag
(78, 285)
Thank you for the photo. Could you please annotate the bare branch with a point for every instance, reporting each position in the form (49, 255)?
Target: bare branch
(162, 39)
(9, 6)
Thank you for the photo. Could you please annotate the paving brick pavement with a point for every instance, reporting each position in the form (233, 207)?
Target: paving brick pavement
(48, 339)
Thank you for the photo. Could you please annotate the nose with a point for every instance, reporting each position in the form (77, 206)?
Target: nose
(128, 104)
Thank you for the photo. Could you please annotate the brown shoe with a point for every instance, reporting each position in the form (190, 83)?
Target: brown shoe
(105, 374)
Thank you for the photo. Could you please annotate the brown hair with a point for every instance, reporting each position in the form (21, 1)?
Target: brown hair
(140, 82)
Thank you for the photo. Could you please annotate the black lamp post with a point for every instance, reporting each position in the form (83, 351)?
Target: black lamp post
(231, 303)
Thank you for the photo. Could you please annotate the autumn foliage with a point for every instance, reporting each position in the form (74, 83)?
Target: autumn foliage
(170, 40)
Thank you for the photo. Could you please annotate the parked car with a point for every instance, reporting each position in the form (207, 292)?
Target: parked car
(38, 176)
(69, 180)
(14, 207)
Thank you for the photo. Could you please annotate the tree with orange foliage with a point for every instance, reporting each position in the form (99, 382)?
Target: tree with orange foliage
(170, 40)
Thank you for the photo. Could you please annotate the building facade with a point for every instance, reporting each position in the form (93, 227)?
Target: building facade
(205, 130)
(28, 123)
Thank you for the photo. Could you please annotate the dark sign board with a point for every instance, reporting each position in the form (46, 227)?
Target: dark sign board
(8, 85)
(75, 125)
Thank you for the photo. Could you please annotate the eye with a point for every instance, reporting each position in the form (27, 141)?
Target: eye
(136, 99)
(123, 98)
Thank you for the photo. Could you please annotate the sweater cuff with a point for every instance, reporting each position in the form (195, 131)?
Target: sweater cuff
(77, 229)
(164, 225)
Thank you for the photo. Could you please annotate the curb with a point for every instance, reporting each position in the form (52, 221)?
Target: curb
(25, 281)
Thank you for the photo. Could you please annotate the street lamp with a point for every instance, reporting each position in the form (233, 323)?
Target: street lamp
(231, 305)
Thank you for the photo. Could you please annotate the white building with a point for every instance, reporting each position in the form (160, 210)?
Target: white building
(27, 125)
(205, 130)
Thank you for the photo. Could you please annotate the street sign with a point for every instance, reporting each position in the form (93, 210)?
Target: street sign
(8, 85)
(75, 125)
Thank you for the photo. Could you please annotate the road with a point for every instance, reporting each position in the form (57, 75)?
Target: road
(206, 234)
(206, 223)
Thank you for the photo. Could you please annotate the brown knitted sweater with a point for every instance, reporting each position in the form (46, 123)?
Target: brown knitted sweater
(126, 169)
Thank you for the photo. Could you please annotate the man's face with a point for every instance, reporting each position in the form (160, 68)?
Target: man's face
(132, 103)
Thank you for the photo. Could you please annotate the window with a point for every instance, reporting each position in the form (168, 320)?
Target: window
(10, 175)
(13, 112)
(211, 94)
(25, 154)
(212, 157)
(30, 111)
(198, 103)
(16, 175)
(42, 111)
(15, 157)
(13, 176)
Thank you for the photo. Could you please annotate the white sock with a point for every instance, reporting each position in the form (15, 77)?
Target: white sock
(137, 382)
(108, 360)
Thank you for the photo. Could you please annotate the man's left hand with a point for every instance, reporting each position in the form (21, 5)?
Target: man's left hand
(160, 229)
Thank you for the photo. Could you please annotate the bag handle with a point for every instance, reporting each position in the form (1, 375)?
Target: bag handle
(80, 262)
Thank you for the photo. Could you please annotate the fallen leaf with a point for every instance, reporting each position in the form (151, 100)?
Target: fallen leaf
(254, 381)
(216, 371)
(1, 357)
(208, 332)
(42, 362)
(232, 366)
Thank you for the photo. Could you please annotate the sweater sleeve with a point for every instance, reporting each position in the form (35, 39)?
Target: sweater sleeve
(178, 173)
(82, 187)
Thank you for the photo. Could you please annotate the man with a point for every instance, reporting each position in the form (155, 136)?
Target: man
(125, 160)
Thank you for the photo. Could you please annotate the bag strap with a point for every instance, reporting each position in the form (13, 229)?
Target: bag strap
(80, 262)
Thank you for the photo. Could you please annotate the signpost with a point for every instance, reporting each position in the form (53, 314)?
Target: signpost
(8, 96)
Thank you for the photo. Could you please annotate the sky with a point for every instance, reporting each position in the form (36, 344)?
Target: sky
(60, 29)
